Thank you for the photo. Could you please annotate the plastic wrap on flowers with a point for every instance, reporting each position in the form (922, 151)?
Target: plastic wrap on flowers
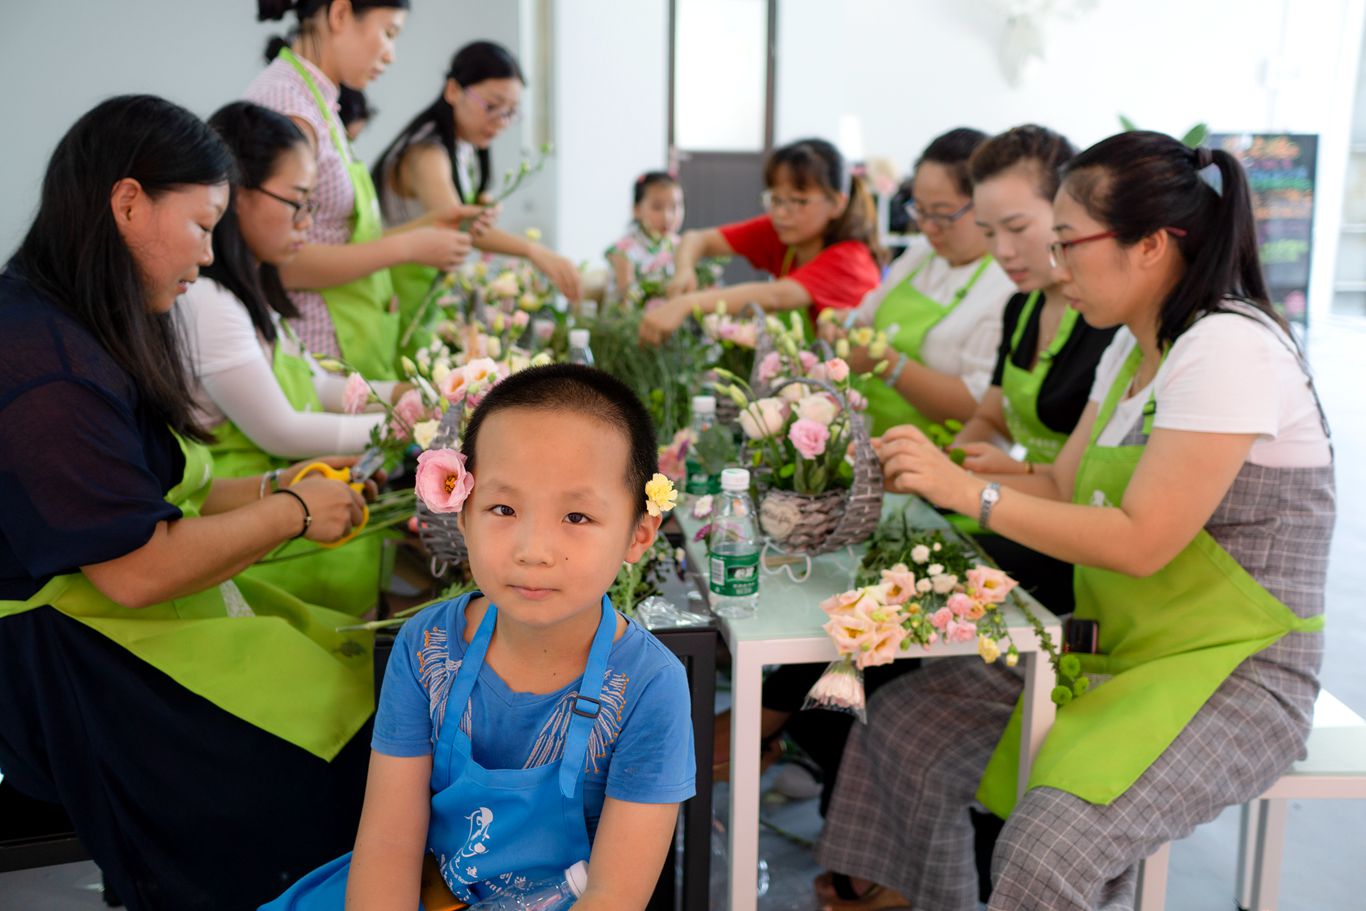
(840, 689)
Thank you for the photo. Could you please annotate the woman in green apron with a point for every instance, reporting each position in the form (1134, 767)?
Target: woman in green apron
(340, 279)
(940, 303)
(818, 240)
(1195, 497)
(257, 391)
(175, 708)
(1046, 364)
(441, 159)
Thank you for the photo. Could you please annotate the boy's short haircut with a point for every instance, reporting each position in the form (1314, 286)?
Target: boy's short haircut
(584, 390)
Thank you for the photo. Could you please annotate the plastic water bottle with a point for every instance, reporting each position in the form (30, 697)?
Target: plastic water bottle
(579, 352)
(540, 895)
(703, 417)
(734, 549)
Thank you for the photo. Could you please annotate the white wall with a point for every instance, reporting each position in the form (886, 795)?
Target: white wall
(610, 62)
(910, 70)
(60, 57)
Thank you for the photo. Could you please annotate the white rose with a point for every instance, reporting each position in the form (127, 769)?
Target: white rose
(944, 584)
(763, 418)
(936, 569)
(924, 586)
(818, 408)
(794, 392)
(920, 553)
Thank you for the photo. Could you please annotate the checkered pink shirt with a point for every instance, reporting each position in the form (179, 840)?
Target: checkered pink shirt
(281, 88)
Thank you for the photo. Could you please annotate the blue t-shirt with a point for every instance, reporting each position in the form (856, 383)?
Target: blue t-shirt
(641, 749)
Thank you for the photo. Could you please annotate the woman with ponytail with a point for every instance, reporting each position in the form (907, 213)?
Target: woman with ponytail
(941, 302)
(818, 240)
(1196, 499)
(340, 280)
(441, 159)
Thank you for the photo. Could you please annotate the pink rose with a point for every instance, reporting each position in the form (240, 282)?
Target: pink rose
(837, 369)
(407, 413)
(856, 400)
(769, 367)
(809, 437)
(746, 335)
(941, 618)
(356, 394)
(809, 360)
(989, 584)
(959, 603)
(442, 482)
(520, 319)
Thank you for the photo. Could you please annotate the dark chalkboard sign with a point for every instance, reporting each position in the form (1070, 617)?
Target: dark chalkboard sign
(1280, 169)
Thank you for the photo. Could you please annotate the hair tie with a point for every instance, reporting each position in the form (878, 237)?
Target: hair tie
(1204, 157)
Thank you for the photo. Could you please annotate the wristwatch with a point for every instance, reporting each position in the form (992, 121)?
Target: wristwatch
(990, 494)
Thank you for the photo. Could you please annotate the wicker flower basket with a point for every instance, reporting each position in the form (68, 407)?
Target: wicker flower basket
(825, 522)
(439, 532)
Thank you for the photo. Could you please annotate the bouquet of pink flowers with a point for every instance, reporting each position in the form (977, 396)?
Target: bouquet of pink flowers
(936, 594)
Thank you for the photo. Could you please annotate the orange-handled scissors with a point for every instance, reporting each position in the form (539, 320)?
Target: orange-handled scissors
(354, 477)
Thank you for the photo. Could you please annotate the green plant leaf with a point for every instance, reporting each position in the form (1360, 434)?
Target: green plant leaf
(1195, 135)
(787, 470)
(1128, 124)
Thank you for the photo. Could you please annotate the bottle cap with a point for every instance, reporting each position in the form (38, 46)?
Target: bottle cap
(577, 878)
(578, 338)
(704, 404)
(735, 479)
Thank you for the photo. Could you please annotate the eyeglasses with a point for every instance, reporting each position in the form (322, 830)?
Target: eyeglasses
(935, 218)
(1057, 251)
(773, 203)
(302, 210)
(507, 115)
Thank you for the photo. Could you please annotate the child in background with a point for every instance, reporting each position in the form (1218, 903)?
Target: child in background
(515, 740)
(644, 257)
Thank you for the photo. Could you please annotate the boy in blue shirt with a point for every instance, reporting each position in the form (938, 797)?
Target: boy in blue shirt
(528, 726)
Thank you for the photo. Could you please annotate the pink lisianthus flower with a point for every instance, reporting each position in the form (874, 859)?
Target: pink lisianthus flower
(850, 632)
(809, 437)
(837, 369)
(960, 604)
(941, 618)
(881, 645)
(960, 631)
(769, 367)
(900, 583)
(745, 334)
(988, 584)
(809, 361)
(407, 413)
(842, 603)
(356, 394)
(442, 483)
(453, 386)
(520, 319)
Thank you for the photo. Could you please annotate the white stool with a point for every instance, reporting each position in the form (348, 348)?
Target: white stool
(1335, 769)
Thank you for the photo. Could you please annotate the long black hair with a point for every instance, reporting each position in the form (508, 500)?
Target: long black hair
(817, 163)
(471, 65)
(1138, 183)
(257, 137)
(304, 10)
(75, 255)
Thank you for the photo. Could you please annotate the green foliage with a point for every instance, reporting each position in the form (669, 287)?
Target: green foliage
(715, 449)
(895, 542)
(1192, 138)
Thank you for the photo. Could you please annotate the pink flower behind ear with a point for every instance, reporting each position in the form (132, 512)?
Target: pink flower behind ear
(355, 395)
(442, 482)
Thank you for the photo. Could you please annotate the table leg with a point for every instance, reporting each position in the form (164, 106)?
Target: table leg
(1037, 711)
(746, 688)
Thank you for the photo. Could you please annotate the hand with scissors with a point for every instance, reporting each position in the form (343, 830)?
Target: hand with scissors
(337, 511)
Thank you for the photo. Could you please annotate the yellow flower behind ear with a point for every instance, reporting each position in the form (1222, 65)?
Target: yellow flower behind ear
(660, 496)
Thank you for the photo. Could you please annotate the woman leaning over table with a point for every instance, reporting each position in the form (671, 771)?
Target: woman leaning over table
(340, 279)
(1203, 433)
(204, 732)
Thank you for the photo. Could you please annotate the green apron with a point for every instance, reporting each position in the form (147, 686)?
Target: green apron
(1020, 390)
(345, 578)
(362, 311)
(915, 314)
(246, 646)
(1169, 641)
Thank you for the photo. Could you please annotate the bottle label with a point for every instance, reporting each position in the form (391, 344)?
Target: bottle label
(735, 575)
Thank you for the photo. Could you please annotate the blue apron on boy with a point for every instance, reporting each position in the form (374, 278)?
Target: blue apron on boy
(491, 827)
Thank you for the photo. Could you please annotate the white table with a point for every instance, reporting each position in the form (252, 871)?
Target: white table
(786, 629)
